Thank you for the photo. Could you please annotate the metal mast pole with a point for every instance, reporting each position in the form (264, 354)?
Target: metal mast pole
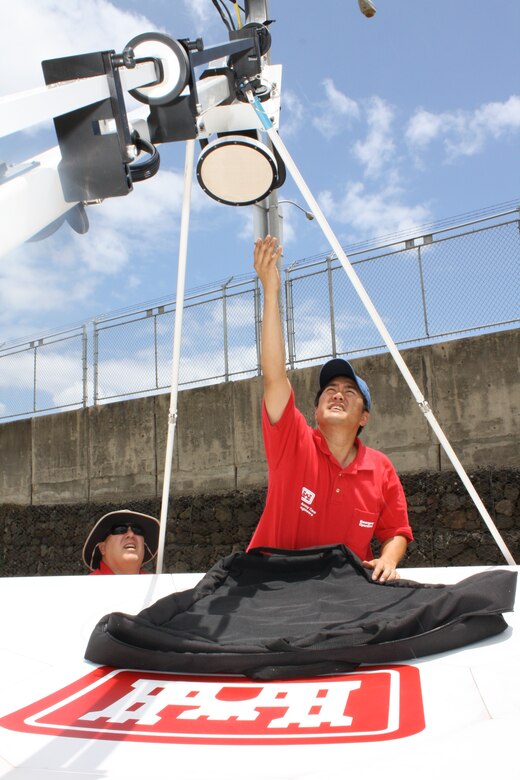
(256, 11)
(267, 218)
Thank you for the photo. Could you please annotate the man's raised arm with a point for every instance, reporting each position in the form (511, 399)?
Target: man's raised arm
(276, 384)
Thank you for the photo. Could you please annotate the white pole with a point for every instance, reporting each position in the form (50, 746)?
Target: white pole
(177, 334)
(378, 322)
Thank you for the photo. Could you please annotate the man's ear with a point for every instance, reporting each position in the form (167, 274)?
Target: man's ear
(364, 418)
(101, 547)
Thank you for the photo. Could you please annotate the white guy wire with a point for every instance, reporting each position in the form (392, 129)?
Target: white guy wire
(179, 310)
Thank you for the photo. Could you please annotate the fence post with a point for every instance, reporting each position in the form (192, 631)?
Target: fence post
(84, 358)
(156, 360)
(224, 322)
(423, 294)
(330, 258)
(95, 361)
(34, 347)
(258, 325)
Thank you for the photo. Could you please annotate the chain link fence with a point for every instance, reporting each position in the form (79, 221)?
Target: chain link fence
(454, 282)
(44, 374)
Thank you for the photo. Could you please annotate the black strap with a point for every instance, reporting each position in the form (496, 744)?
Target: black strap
(304, 551)
(297, 671)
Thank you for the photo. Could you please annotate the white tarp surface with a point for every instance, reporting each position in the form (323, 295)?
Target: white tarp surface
(63, 717)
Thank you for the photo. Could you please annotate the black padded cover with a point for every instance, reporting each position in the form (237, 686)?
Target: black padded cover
(271, 614)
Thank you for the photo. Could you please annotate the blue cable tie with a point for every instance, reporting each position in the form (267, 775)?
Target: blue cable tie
(268, 125)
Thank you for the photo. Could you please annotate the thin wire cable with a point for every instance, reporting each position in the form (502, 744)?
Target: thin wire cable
(230, 25)
(237, 13)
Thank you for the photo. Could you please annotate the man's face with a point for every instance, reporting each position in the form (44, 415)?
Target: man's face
(123, 552)
(341, 403)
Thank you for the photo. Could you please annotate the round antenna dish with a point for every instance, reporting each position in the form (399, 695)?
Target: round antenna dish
(237, 170)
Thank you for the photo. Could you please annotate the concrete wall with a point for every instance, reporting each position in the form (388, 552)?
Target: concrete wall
(116, 452)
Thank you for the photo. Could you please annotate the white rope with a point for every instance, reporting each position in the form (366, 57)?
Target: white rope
(177, 334)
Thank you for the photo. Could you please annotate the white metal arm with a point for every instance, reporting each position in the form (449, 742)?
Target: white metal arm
(28, 108)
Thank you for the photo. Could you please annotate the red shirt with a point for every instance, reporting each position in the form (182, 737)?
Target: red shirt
(312, 500)
(104, 569)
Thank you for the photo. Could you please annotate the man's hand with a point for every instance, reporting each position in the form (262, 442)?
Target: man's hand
(266, 259)
(382, 571)
(384, 568)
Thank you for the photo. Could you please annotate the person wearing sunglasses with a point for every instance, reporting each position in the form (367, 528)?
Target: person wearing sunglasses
(121, 542)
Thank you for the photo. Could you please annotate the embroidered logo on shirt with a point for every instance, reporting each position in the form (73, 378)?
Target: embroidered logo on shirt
(306, 501)
(366, 523)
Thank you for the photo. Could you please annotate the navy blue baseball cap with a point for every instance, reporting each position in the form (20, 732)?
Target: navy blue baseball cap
(339, 367)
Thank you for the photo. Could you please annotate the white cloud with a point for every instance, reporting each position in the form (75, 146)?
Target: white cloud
(106, 254)
(30, 281)
(291, 114)
(137, 374)
(58, 376)
(464, 133)
(17, 369)
(499, 118)
(66, 269)
(343, 105)
(370, 214)
(336, 114)
(314, 334)
(153, 205)
(126, 374)
(244, 230)
(45, 29)
(378, 147)
(200, 11)
(335, 111)
(424, 127)
(133, 281)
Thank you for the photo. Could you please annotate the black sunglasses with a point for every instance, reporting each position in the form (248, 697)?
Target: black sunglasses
(119, 530)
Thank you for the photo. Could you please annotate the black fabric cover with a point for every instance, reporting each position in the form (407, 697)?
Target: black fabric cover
(271, 614)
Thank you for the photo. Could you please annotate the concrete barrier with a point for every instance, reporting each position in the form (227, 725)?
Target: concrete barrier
(116, 451)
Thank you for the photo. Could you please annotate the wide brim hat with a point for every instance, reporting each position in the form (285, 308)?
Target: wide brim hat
(340, 367)
(91, 554)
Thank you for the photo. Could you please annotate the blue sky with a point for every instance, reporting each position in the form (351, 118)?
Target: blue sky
(405, 119)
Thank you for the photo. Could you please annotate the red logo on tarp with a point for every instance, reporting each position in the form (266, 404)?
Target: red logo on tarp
(374, 703)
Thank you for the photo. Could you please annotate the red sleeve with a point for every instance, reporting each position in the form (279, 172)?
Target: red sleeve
(393, 519)
(281, 439)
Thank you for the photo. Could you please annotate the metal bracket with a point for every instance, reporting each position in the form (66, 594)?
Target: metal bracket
(8, 172)
(94, 164)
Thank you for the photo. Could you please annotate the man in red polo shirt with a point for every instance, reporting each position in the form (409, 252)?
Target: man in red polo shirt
(324, 487)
